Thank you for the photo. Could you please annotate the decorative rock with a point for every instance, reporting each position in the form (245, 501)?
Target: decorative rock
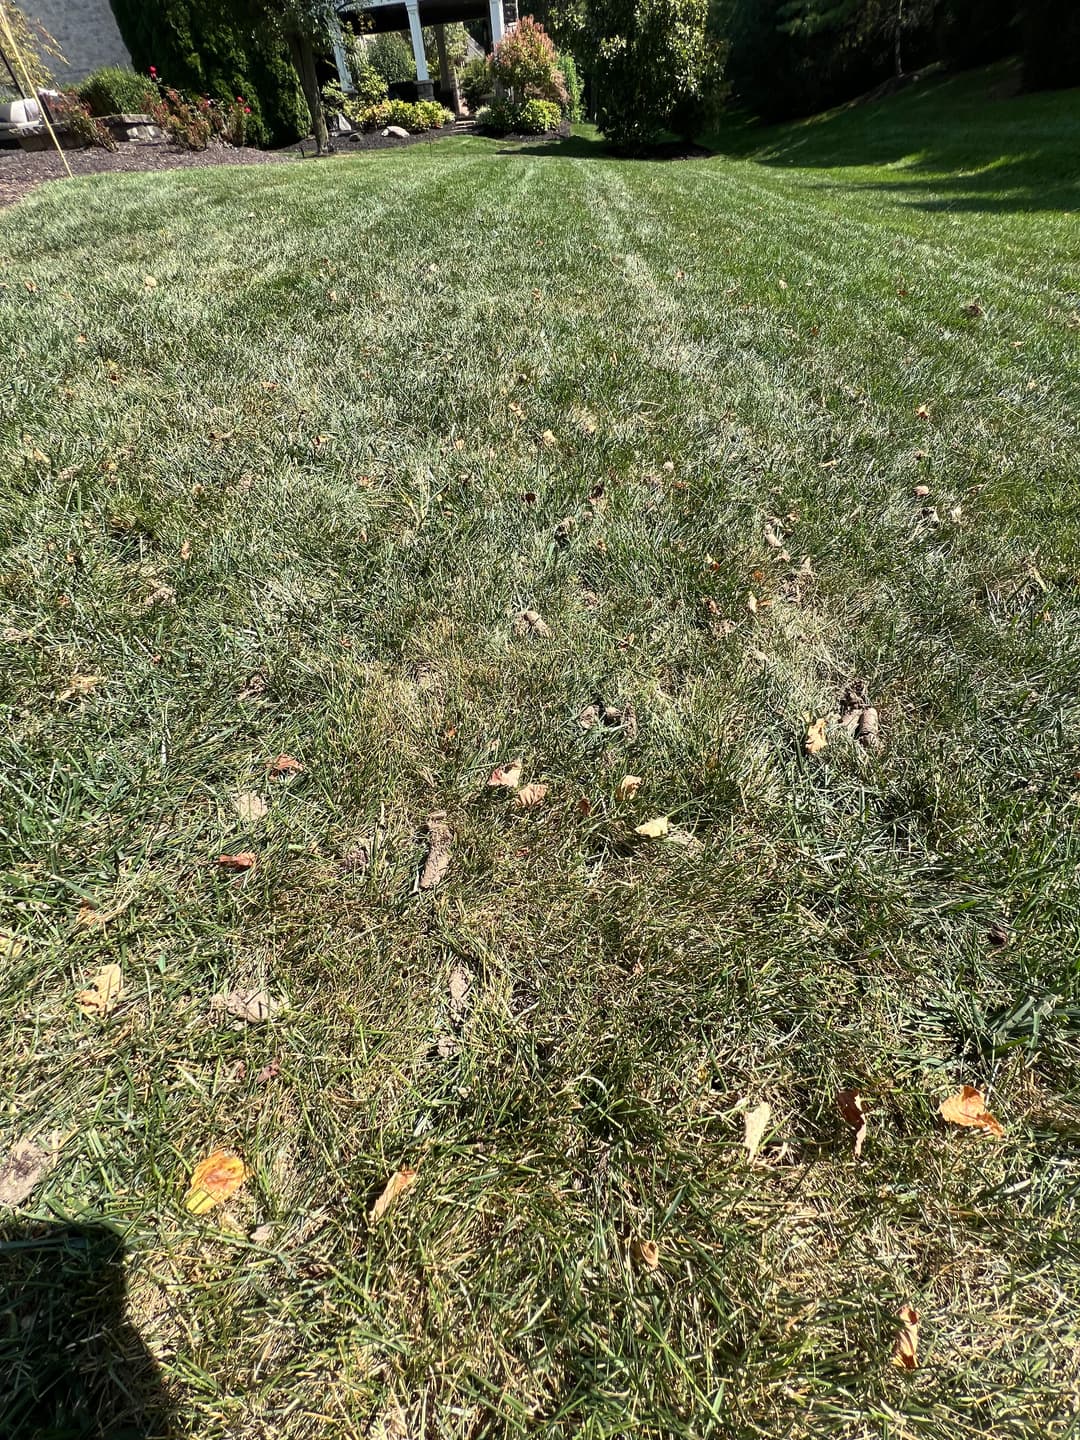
(396, 131)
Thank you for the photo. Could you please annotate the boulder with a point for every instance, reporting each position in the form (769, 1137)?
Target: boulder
(397, 132)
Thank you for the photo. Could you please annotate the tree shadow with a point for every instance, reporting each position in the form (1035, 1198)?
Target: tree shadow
(71, 1366)
(583, 147)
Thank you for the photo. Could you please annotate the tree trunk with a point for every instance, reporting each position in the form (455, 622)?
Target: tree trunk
(897, 53)
(303, 58)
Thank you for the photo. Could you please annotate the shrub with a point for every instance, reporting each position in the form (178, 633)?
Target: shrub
(189, 123)
(115, 90)
(84, 129)
(524, 61)
(369, 117)
(412, 116)
(572, 83)
(475, 82)
(537, 117)
(369, 84)
(391, 55)
(204, 52)
(655, 67)
(498, 117)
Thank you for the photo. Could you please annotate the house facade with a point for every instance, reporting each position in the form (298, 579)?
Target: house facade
(86, 32)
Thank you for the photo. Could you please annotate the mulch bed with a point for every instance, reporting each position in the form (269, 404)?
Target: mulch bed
(24, 170)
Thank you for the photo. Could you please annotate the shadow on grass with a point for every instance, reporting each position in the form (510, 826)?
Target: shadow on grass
(595, 147)
(953, 142)
(71, 1366)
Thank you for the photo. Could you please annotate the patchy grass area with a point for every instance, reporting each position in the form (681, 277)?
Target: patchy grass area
(286, 456)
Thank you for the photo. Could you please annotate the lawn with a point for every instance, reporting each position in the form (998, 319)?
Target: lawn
(287, 453)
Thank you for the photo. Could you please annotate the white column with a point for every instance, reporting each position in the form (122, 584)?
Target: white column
(417, 36)
(498, 27)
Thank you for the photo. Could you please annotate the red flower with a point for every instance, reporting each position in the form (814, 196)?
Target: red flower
(247, 109)
(153, 71)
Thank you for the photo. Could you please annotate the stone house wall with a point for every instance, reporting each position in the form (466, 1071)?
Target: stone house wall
(86, 32)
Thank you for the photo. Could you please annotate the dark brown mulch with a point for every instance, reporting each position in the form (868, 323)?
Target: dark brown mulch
(24, 170)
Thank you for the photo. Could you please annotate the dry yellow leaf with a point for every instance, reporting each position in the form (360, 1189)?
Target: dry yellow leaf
(756, 1122)
(79, 685)
(508, 776)
(11, 946)
(968, 1108)
(923, 412)
(548, 440)
(850, 1105)
(654, 829)
(150, 282)
(250, 807)
(104, 992)
(646, 1252)
(817, 737)
(628, 787)
(752, 603)
(398, 1183)
(530, 795)
(906, 1346)
(213, 1181)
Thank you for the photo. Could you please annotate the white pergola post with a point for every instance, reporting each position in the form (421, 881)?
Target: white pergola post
(417, 36)
(498, 26)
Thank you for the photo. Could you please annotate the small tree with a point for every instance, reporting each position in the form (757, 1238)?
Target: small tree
(29, 43)
(655, 67)
(524, 61)
(301, 25)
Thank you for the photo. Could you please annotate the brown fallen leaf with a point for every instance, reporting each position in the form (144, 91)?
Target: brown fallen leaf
(906, 1345)
(973, 310)
(531, 622)
(283, 765)
(532, 794)
(817, 736)
(250, 807)
(104, 992)
(584, 809)
(185, 550)
(438, 856)
(921, 491)
(756, 1122)
(548, 440)
(923, 412)
(969, 1109)
(398, 1183)
(646, 1252)
(628, 787)
(251, 1006)
(460, 985)
(866, 731)
(25, 1166)
(213, 1181)
(653, 829)
(589, 717)
(998, 934)
(850, 1105)
(243, 861)
(507, 776)
(79, 685)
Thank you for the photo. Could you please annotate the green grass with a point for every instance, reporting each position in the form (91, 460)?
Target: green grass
(336, 395)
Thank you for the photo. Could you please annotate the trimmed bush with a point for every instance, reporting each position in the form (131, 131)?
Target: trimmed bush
(524, 61)
(537, 117)
(116, 90)
(194, 47)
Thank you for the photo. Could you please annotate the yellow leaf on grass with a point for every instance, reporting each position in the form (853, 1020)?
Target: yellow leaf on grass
(548, 440)
(530, 795)
(756, 1122)
(79, 685)
(507, 776)
(11, 947)
(654, 829)
(906, 1345)
(213, 1181)
(628, 787)
(646, 1252)
(968, 1108)
(850, 1105)
(395, 1186)
(104, 992)
(249, 806)
(817, 737)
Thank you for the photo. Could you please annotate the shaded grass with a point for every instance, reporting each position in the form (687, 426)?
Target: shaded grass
(336, 394)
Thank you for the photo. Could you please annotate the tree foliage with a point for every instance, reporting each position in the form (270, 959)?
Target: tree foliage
(656, 66)
(31, 47)
(524, 61)
(195, 46)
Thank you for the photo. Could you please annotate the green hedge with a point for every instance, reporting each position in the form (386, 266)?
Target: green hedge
(115, 90)
(193, 48)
